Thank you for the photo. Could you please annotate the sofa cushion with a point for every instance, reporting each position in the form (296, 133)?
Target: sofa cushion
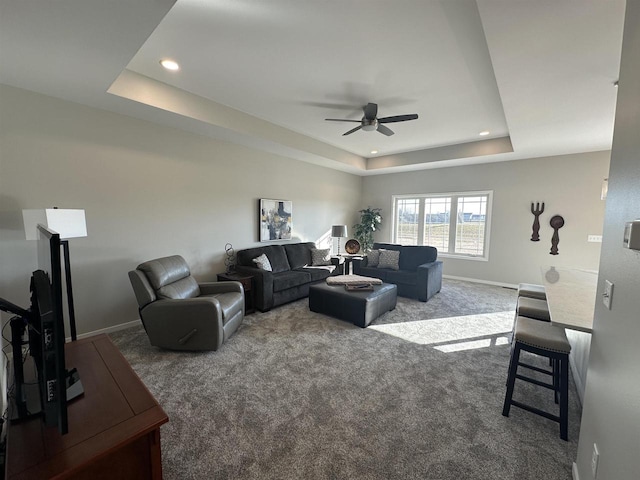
(263, 263)
(290, 279)
(404, 277)
(373, 272)
(389, 259)
(411, 256)
(275, 253)
(317, 273)
(320, 256)
(373, 258)
(299, 254)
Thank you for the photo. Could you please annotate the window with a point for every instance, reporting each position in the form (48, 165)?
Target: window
(457, 224)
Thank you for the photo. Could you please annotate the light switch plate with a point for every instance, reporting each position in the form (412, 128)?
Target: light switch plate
(608, 293)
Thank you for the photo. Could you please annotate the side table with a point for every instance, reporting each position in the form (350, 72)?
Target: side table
(348, 259)
(247, 284)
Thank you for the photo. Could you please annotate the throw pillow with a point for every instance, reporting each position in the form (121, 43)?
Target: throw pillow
(320, 256)
(389, 259)
(373, 258)
(263, 262)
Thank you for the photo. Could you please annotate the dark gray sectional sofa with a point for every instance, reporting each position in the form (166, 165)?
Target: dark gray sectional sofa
(420, 273)
(289, 280)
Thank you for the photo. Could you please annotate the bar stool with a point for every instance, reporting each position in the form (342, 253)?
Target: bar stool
(533, 308)
(550, 341)
(532, 291)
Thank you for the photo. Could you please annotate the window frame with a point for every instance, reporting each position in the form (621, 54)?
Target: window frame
(453, 220)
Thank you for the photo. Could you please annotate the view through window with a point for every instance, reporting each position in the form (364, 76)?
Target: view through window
(454, 223)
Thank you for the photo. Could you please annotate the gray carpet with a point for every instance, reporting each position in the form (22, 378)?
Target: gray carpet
(298, 395)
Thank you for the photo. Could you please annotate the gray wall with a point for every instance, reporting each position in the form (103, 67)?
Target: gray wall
(611, 414)
(148, 191)
(569, 185)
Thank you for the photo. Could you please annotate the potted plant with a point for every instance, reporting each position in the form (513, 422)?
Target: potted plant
(370, 219)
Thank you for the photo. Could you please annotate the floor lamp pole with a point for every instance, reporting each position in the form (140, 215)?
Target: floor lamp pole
(67, 272)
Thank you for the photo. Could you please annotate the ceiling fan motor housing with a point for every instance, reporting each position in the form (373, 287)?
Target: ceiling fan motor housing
(369, 125)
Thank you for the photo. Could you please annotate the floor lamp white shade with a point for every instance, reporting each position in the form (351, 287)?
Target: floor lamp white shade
(69, 223)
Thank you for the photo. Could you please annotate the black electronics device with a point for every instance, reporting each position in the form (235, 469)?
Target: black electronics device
(45, 325)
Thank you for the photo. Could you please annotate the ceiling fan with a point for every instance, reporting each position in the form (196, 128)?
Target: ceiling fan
(370, 121)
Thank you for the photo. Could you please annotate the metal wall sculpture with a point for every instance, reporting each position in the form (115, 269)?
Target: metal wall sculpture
(556, 223)
(537, 211)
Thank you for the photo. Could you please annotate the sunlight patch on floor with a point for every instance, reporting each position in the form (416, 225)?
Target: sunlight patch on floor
(472, 345)
(452, 331)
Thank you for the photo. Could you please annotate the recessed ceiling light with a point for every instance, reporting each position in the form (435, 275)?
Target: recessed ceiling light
(170, 64)
(484, 133)
(373, 152)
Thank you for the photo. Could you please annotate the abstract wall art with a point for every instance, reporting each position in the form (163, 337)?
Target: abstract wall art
(276, 219)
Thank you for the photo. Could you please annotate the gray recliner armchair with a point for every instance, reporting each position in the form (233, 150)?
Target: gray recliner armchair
(178, 313)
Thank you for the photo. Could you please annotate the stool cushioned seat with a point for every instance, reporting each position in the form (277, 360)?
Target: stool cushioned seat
(541, 335)
(532, 291)
(533, 308)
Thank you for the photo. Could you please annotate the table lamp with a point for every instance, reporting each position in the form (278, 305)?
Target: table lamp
(339, 231)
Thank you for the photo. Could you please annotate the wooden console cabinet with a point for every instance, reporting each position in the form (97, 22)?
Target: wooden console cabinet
(114, 428)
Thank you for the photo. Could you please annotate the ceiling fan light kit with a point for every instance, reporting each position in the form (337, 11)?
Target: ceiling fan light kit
(371, 122)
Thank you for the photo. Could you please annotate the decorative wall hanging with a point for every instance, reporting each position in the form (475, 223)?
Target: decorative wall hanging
(352, 246)
(230, 258)
(276, 219)
(537, 211)
(556, 223)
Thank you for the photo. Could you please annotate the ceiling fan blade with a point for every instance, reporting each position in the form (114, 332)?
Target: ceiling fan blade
(352, 130)
(398, 118)
(370, 111)
(341, 120)
(385, 130)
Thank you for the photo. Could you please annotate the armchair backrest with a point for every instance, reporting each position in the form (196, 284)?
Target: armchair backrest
(167, 277)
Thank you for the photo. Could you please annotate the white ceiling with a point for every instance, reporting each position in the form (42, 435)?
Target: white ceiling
(266, 73)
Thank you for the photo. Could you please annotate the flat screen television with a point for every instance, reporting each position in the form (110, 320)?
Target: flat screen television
(45, 324)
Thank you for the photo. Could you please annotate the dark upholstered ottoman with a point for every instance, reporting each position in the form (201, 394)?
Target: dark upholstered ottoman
(360, 308)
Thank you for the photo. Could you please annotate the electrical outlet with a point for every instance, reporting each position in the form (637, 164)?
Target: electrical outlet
(595, 456)
(594, 238)
(608, 294)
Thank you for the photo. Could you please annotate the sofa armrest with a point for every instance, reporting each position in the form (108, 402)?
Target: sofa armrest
(263, 285)
(171, 323)
(428, 280)
(359, 263)
(210, 288)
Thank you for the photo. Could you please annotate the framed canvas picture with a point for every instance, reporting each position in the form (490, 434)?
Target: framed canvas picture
(276, 219)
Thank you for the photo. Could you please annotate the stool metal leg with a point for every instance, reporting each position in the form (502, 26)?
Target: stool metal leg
(564, 397)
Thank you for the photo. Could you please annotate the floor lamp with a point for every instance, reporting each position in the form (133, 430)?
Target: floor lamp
(69, 223)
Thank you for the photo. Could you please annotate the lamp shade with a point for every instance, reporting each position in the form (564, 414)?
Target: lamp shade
(339, 231)
(69, 223)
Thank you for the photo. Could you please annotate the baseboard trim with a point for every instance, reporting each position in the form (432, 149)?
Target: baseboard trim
(574, 471)
(115, 328)
(486, 282)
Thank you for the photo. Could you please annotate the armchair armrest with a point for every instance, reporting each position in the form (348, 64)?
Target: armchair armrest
(263, 285)
(184, 324)
(209, 288)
